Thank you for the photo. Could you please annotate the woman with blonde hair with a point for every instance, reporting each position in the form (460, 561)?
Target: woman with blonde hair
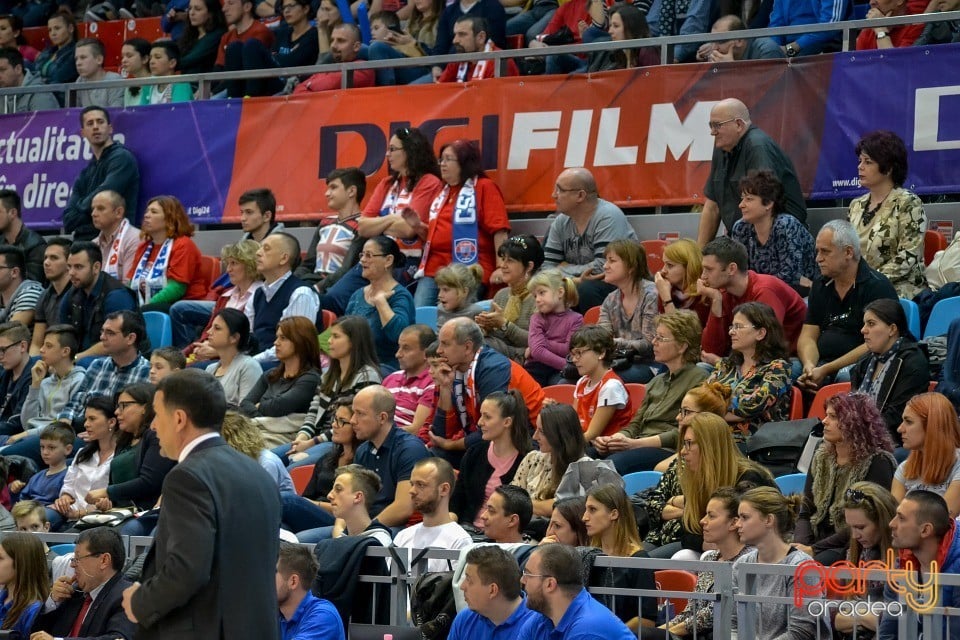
(630, 310)
(457, 287)
(25, 580)
(676, 282)
(931, 433)
(552, 326)
(243, 434)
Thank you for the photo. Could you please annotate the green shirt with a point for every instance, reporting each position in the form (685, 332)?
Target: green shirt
(657, 415)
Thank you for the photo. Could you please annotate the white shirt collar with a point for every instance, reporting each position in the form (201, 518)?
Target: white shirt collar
(193, 445)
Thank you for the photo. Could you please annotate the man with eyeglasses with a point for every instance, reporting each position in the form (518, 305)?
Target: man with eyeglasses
(553, 580)
(739, 147)
(16, 363)
(89, 604)
(579, 235)
(492, 592)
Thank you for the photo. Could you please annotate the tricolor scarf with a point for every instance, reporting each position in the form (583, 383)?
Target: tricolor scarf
(465, 229)
(396, 201)
(478, 70)
(149, 284)
(113, 255)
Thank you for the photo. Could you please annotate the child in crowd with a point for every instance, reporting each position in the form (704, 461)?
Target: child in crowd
(413, 386)
(26, 582)
(434, 361)
(551, 326)
(457, 287)
(602, 401)
(164, 58)
(382, 23)
(165, 361)
(31, 517)
(56, 445)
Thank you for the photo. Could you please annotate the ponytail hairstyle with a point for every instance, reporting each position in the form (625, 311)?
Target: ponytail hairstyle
(770, 502)
(239, 325)
(554, 280)
(511, 405)
(466, 279)
(104, 405)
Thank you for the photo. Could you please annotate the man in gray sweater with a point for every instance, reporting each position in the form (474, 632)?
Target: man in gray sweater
(13, 75)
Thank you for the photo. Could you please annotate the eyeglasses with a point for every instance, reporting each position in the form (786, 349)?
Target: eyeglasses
(289, 7)
(560, 189)
(123, 404)
(366, 255)
(75, 559)
(576, 354)
(527, 574)
(340, 422)
(3, 350)
(445, 160)
(394, 149)
(688, 444)
(741, 327)
(715, 126)
(661, 339)
(684, 412)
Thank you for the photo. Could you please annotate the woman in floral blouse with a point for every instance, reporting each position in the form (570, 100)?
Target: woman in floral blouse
(756, 370)
(890, 219)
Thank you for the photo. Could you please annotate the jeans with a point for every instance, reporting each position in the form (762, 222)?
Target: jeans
(565, 63)
(312, 536)
(426, 294)
(642, 459)
(188, 318)
(256, 56)
(391, 76)
(314, 454)
(142, 526)
(592, 292)
(299, 514)
(531, 23)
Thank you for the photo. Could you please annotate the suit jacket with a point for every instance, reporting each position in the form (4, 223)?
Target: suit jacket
(105, 619)
(211, 570)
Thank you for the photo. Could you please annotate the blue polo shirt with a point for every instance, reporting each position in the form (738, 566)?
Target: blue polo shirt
(585, 619)
(393, 461)
(470, 625)
(314, 618)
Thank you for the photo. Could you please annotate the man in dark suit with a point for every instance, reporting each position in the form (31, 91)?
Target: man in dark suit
(212, 567)
(94, 609)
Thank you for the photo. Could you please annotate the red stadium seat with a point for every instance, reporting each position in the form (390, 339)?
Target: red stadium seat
(654, 249)
(818, 408)
(637, 393)
(211, 268)
(146, 28)
(675, 580)
(933, 241)
(37, 37)
(592, 316)
(110, 33)
(796, 405)
(301, 477)
(562, 393)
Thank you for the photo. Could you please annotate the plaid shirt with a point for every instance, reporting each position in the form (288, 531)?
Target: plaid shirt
(105, 378)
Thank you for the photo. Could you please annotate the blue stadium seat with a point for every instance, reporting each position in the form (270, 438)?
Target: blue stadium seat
(913, 316)
(941, 316)
(485, 304)
(427, 316)
(640, 480)
(63, 549)
(792, 483)
(159, 329)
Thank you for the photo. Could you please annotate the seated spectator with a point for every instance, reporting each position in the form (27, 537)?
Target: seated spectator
(554, 583)
(566, 524)
(756, 371)
(242, 25)
(167, 262)
(551, 326)
(412, 385)
(56, 272)
(134, 64)
(31, 517)
(238, 373)
(831, 340)
(243, 281)
(328, 18)
(629, 310)
(431, 485)
(931, 433)
(564, 28)
(11, 36)
(280, 399)
(612, 528)
(89, 56)
(417, 41)
(200, 42)
(99, 558)
(506, 515)
(164, 59)
(868, 510)
(311, 510)
(470, 36)
(682, 18)
(53, 381)
(677, 281)
(353, 365)
(651, 435)
(468, 220)
(492, 462)
(55, 64)
(283, 295)
(506, 325)
(242, 434)
(602, 402)
(56, 445)
(533, 18)
(490, 10)
(791, 14)
(895, 368)
(903, 35)
(329, 252)
(18, 294)
(626, 22)
(384, 303)
(16, 376)
(93, 296)
(856, 446)
(118, 239)
(26, 584)
(90, 468)
(296, 45)
(258, 214)
(350, 498)
(738, 48)
(302, 614)
(15, 233)
(726, 283)
(777, 243)
(13, 75)
(767, 519)
(373, 422)
(491, 590)
(457, 287)
(890, 219)
(345, 46)
(940, 32)
(163, 362)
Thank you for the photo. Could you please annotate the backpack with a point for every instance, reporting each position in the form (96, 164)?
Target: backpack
(779, 445)
(432, 605)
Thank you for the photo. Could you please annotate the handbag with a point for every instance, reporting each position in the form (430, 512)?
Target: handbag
(111, 518)
(779, 445)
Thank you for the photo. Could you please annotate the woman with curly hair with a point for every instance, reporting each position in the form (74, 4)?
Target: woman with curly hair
(856, 447)
(243, 434)
(931, 433)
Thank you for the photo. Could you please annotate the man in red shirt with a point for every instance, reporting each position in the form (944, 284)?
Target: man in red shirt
(345, 42)
(242, 26)
(470, 36)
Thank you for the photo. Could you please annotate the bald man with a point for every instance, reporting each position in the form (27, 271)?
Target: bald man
(737, 48)
(739, 146)
(584, 226)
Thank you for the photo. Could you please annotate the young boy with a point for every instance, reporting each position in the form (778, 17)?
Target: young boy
(434, 362)
(329, 251)
(164, 58)
(31, 517)
(56, 445)
(413, 386)
(382, 23)
(165, 361)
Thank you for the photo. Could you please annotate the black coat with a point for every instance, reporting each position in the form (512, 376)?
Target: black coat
(105, 619)
(907, 375)
(475, 470)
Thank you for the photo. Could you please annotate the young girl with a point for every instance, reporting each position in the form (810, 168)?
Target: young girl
(551, 326)
(457, 287)
(601, 400)
(23, 574)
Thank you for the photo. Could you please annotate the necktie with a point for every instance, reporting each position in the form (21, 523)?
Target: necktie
(87, 601)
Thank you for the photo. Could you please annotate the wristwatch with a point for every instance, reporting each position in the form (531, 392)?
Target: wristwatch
(882, 34)
(792, 49)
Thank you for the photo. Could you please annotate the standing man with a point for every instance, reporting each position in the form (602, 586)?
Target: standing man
(47, 311)
(118, 239)
(18, 295)
(112, 167)
(491, 588)
(208, 572)
(19, 235)
(739, 146)
(578, 237)
(258, 213)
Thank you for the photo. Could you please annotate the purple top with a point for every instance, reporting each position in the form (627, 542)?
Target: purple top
(549, 337)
